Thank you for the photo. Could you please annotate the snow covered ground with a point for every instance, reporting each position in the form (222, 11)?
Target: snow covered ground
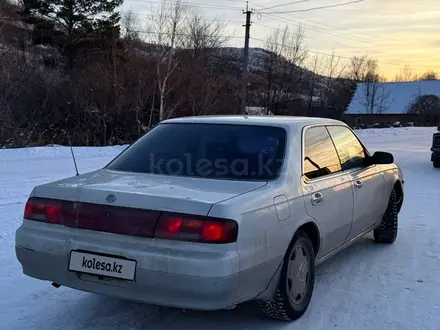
(369, 286)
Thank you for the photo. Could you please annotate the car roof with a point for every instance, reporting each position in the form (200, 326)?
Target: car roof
(285, 121)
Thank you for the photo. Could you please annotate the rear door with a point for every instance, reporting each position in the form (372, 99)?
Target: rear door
(367, 181)
(327, 190)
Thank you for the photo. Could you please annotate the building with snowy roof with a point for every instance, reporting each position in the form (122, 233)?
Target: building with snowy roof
(388, 103)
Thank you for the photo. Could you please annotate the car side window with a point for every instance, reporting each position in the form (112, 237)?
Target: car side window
(320, 157)
(350, 150)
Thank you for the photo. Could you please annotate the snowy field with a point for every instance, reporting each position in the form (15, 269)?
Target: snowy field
(368, 286)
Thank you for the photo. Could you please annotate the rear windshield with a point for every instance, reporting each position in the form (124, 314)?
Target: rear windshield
(216, 151)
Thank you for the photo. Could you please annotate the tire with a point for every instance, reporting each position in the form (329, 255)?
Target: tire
(436, 164)
(387, 231)
(282, 307)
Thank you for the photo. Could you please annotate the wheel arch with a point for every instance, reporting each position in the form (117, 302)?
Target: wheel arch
(398, 187)
(312, 230)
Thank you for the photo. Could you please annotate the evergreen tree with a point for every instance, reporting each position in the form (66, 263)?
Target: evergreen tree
(78, 19)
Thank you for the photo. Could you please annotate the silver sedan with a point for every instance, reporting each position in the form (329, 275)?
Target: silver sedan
(209, 212)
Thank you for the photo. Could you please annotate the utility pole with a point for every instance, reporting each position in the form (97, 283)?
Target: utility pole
(245, 74)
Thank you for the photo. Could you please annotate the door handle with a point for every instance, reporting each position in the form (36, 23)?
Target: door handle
(358, 184)
(317, 198)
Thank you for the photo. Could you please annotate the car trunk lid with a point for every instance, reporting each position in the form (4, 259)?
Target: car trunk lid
(146, 191)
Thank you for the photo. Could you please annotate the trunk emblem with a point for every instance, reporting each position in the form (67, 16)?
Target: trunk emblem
(111, 198)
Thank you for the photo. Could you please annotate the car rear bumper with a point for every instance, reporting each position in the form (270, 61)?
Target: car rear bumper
(207, 278)
(150, 286)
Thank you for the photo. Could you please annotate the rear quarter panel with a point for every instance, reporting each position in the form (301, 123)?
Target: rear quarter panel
(262, 237)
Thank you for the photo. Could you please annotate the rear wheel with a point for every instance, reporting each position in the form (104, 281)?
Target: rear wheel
(387, 231)
(296, 282)
(436, 163)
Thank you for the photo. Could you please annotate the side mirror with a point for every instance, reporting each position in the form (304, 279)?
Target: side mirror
(381, 157)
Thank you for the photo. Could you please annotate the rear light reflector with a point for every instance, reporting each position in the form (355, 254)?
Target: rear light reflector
(117, 220)
(196, 229)
(132, 222)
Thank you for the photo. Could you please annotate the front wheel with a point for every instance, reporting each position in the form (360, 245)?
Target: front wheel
(296, 283)
(436, 164)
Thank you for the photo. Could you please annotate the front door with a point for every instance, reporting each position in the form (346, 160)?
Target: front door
(367, 182)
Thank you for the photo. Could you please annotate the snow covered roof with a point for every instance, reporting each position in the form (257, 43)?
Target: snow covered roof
(390, 98)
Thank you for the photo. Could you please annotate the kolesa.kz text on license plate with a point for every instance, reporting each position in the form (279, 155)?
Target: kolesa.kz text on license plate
(101, 265)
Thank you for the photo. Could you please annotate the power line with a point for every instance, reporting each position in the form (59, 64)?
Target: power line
(345, 57)
(334, 27)
(182, 34)
(322, 7)
(317, 29)
(311, 51)
(326, 31)
(184, 18)
(279, 18)
(285, 4)
(320, 40)
(200, 5)
(359, 33)
(305, 36)
(190, 4)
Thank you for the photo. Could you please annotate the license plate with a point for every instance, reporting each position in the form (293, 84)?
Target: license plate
(102, 265)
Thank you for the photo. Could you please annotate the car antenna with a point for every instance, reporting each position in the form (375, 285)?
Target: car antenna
(73, 155)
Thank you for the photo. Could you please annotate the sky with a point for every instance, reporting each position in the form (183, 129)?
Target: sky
(395, 32)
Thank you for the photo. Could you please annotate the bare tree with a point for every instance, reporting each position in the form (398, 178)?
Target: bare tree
(374, 97)
(360, 68)
(405, 75)
(426, 104)
(283, 66)
(313, 80)
(6, 14)
(333, 71)
(167, 31)
(203, 36)
(139, 70)
(130, 28)
(201, 42)
(381, 98)
(428, 75)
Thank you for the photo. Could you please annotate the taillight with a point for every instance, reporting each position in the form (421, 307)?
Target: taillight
(132, 222)
(196, 229)
(44, 210)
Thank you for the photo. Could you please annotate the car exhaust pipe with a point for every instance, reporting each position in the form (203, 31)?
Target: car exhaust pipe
(56, 285)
